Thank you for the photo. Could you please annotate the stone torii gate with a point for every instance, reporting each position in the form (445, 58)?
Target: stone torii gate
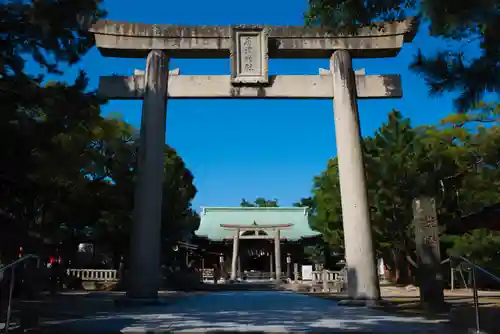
(249, 47)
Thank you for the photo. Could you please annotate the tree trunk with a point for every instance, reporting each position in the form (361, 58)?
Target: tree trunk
(400, 272)
(396, 266)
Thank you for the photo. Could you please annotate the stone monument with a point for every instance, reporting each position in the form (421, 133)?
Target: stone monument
(249, 47)
(428, 252)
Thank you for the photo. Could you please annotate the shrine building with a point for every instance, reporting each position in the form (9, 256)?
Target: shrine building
(254, 242)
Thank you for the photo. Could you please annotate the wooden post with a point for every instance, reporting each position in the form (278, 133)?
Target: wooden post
(452, 275)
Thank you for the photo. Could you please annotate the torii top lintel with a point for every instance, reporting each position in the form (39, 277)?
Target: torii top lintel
(135, 40)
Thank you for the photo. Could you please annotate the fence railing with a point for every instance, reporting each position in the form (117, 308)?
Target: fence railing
(258, 275)
(207, 274)
(474, 269)
(95, 275)
(318, 276)
(11, 268)
(330, 280)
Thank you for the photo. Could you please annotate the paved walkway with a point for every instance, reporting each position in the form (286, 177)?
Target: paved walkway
(254, 311)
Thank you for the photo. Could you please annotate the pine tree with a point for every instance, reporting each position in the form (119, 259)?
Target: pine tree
(465, 22)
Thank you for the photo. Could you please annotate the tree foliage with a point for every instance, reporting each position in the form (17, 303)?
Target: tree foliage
(481, 244)
(68, 174)
(461, 22)
(260, 202)
(455, 162)
(49, 31)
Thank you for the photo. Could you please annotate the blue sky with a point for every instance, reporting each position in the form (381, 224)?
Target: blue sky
(243, 148)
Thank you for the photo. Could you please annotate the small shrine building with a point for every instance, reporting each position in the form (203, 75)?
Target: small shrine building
(264, 242)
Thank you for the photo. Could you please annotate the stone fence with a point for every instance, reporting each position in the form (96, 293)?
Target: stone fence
(95, 275)
(326, 278)
(320, 275)
(207, 274)
(328, 281)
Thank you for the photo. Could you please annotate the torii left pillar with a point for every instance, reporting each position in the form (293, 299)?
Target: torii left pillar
(234, 260)
(144, 279)
(277, 254)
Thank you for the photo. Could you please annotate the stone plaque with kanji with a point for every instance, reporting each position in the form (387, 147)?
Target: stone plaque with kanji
(249, 55)
(426, 229)
(428, 252)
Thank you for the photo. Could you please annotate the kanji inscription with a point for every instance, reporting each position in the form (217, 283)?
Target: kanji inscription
(430, 222)
(249, 55)
(428, 252)
(250, 60)
(429, 240)
(426, 229)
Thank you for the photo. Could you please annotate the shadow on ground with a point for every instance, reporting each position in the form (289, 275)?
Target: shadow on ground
(251, 312)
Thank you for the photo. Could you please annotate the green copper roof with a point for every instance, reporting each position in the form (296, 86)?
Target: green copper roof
(213, 217)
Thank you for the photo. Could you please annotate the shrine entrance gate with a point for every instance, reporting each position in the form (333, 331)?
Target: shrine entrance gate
(249, 47)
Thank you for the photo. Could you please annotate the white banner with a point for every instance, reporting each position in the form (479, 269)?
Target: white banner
(307, 273)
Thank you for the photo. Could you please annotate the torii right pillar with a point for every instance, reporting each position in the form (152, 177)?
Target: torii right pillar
(362, 279)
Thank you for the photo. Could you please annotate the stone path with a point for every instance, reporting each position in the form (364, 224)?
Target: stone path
(253, 311)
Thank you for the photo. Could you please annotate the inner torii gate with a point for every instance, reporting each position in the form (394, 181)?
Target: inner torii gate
(237, 229)
(249, 47)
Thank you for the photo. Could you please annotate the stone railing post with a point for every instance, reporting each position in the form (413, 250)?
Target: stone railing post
(325, 280)
(314, 277)
(296, 272)
(145, 244)
(355, 211)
